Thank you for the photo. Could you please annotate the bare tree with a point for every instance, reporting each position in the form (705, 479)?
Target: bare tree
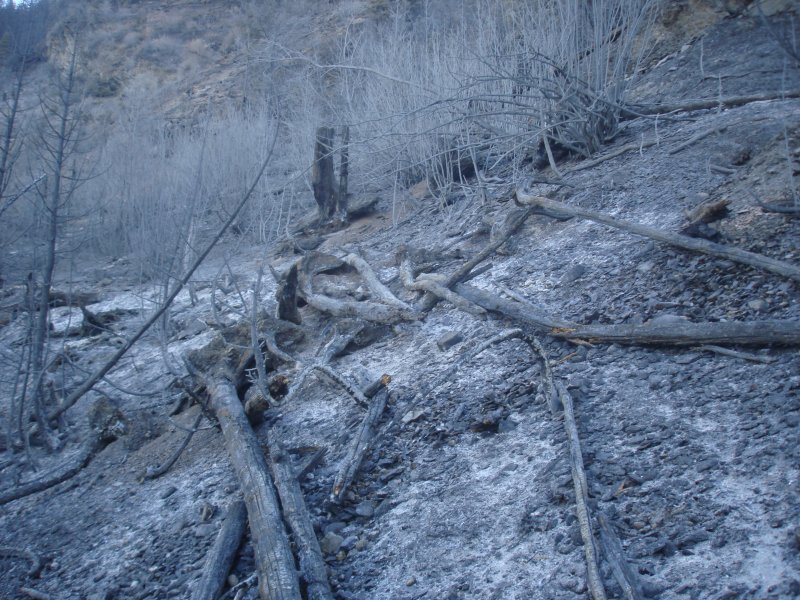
(56, 147)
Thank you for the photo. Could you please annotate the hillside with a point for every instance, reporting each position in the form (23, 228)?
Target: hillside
(580, 411)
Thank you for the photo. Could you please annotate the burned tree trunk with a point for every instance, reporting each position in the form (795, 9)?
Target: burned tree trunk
(322, 175)
(274, 561)
(344, 170)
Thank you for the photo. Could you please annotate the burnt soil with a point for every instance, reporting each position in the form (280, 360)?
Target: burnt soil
(691, 455)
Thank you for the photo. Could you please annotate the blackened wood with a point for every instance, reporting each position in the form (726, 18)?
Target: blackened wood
(277, 577)
(581, 495)
(322, 175)
(222, 554)
(627, 579)
(344, 168)
(312, 565)
(673, 333)
(359, 446)
(680, 241)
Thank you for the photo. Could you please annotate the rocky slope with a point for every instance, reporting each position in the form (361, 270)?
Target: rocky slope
(691, 455)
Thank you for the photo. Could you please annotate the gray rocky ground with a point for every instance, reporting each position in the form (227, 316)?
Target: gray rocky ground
(691, 455)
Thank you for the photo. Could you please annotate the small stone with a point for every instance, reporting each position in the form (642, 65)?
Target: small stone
(574, 273)
(448, 340)
(349, 543)
(365, 509)
(411, 581)
(705, 465)
(758, 305)
(167, 492)
(360, 544)
(205, 530)
(233, 580)
(330, 543)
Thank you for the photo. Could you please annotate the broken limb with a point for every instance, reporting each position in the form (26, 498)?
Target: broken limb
(735, 354)
(581, 495)
(673, 333)
(359, 446)
(277, 578)
(614, 555)
(632, 147)
(696, 138)
(106, 423)
(681, 241)
(312, 565)
(513, 222)
(375, 285)
(153, 472)
(427, 283)
(730, 102)
(783, 209)
(222, 554)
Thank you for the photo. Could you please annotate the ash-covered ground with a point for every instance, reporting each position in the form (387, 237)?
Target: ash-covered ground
(691, 455)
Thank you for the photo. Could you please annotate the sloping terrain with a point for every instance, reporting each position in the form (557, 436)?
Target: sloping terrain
(691, 455)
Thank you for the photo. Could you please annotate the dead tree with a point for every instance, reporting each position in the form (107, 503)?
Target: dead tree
(322, 175)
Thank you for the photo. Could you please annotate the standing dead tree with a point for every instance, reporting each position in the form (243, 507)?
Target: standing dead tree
(331, 198)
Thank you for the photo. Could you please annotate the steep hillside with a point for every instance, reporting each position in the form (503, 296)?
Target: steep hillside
(572, 410)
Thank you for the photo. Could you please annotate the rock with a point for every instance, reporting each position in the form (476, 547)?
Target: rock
(330, 543)
(365, 509)
(758, 305)
(167, 492)
(349, 543)
(574, 273)
(448, 340)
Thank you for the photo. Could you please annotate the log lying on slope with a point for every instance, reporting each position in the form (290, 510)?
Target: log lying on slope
(222, 554)
(277, 577)
(674, 332)
(312, 565)
(681, 241)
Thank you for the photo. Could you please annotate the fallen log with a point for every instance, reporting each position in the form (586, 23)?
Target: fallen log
(710, 103)
(277, 577)
(106, 423)
(614, 555)
(312, 565)
(581, 495)
(360, 443)
(513, 222)
(375, 285)
(681, 241)
(222, 554)
(674, 332)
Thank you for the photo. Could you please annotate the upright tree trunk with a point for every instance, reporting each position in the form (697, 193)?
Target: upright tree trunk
(322, 175)
(344, 170)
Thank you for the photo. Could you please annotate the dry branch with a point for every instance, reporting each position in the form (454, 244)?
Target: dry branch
(105, 424)
(675, 333)
(312, 565)
(513, 222)
(222, 554)
(632, 147)
(612, 550)
(731, 102)
(426, 283)
(680, 241)
(375, 285)
(365, 310)
(581, 495)
(360, 445)
(274, 560)
(152, 473)
(696, 138)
